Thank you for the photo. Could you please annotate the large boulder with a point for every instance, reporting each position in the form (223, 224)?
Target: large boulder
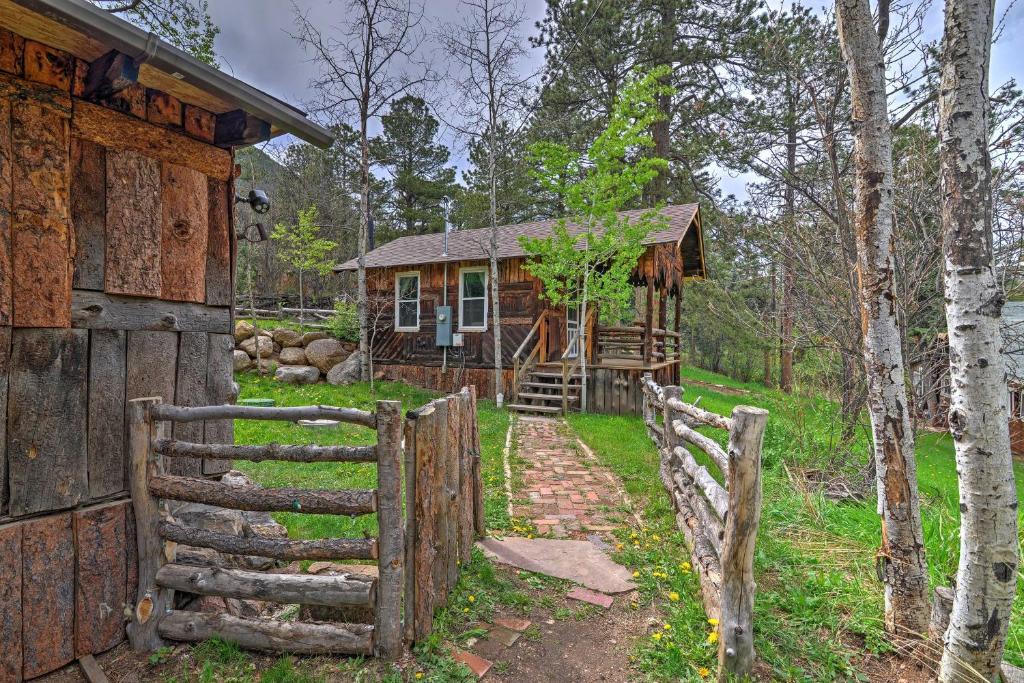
(242, 360)
(269, 367)
(243, 330)
(291, 355)
(267, 346)
(345, 372)
(311, 337)
(297, 374)
(325, 353)
(286, 337)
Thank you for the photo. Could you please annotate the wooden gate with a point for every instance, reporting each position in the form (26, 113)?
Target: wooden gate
(444, 503)
(153, 617)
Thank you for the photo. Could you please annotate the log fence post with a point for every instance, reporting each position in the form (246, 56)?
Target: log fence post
(151, 602)
(670, 439)
(391, 545)
(736, 640)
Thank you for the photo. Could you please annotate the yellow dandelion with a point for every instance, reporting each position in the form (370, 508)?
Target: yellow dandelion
(713, 621)
(472, 598)
(655, 537)
(633, 535)
(656, 636)
(667, 627)
(713, 637)
(419, 675)
(465, 609)
(673, 596)
(685, 566)
(529, 535)
(704, 672)
(618, 546)
(636, 574)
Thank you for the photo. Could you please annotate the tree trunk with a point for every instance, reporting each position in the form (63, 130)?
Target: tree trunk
(788, 274)
(901, 556)
(499, 388)
(364, 215)
(978, 413)
(302, 308)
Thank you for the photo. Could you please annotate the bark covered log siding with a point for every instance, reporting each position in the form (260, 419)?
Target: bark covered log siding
(978, 414)
(901, 556)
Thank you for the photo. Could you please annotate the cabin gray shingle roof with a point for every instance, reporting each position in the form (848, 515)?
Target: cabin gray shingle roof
(471, 245)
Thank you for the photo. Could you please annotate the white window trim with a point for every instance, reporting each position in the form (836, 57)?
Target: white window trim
(462, 272)
(399, 276)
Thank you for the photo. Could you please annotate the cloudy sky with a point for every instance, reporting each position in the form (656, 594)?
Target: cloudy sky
(255, 46)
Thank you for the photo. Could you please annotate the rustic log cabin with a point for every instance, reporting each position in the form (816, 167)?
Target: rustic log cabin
(433, 324)
(116, 282)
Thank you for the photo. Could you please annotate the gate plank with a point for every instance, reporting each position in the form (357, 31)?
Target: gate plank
(6, 208)
(451, 493)
(48, 600)
(10, 602)
(47, 420)
(133, 224)
(88, 212)
(41, 240)
(193, 348)
(184, 233)
(102, 573)
(107, 368)
(218, 245)
(219, 390)
(5, 365)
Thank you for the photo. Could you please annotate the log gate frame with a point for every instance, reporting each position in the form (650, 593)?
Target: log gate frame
(720, 524)
(153, 618)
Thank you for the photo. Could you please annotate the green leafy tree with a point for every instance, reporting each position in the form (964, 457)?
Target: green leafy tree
(591, 255)
(183, 23)
(416, 162)
(302, 247)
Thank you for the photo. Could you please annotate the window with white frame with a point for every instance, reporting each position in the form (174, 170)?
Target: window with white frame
(473, 299)
(407, 301)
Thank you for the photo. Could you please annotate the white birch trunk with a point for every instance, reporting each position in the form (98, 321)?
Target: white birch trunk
(978, 413)
(901, 556)
(499, 388)
(364, 214)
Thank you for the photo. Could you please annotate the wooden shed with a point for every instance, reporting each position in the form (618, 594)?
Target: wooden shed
(116, 282)
(410, 277)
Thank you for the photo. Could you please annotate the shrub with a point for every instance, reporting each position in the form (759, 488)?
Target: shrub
(344, 324)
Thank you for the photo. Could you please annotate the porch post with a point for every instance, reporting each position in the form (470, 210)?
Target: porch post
(662, 324)
(679, 331)
(649, 321)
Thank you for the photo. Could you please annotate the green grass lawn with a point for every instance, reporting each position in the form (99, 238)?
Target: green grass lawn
(818, 600)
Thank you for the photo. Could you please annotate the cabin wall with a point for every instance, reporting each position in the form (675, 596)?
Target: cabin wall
(116, 259)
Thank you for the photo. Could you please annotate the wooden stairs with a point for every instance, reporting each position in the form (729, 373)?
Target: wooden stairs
(541, 391)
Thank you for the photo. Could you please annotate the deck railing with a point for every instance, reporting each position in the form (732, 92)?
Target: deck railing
(720, 522)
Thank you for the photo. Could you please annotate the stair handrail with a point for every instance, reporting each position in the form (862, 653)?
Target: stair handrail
(518, 366)
(567, 370)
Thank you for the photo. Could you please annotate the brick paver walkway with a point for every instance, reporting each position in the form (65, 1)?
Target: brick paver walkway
(569, 494)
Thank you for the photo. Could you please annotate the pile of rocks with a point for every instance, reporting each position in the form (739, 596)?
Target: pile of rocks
(293, 357)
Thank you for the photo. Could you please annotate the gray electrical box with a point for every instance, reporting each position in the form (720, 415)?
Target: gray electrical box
(444, 325)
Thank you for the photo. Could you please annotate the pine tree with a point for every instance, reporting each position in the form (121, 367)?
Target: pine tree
(516, 187)
(416, 162)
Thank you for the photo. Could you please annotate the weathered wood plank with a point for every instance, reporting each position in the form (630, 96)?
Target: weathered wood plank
(238, 127)
(150, 602)
(219, 390)
(117, 131)
(92, 670)
(388, 614)
(110, 74)
(99, 311)
(101, 576)
(6, 211)
(10, 602)
(200, 123)
(12, 52)
(133, 224)
(49, 66)
(47, 420)
(411, 532)
(152, 365)
(88, 212)
(429, 425)
(190, 390)
(184, 234)
(163, 109)
(270, 451)
(41, 237)
(107, 370)
(270, 634)
(465, 507)
(285, 589)
(451, 491)
(479, 518)
(321, 549)
(306, 501)
(219, 289)
(5, 360)
(48, 615)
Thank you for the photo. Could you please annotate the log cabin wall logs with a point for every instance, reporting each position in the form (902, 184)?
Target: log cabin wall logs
(116, 268)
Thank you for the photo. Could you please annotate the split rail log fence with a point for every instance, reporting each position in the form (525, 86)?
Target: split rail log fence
(418, 553)
(719, 522)
(153, 618)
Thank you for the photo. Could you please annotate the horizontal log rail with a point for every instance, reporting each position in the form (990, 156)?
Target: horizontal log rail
(258, 499)
(271, 451)
(720, 522)
(270, 634)
(278, 549)
(286, 589)
(289, 414)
